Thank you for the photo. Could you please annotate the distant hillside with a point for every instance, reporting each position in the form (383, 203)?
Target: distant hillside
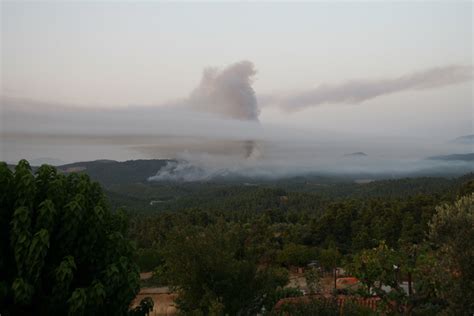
(465, 140)
(454, 157)
(263, 196)
(111, 172)
(46, 160)
(356, 154)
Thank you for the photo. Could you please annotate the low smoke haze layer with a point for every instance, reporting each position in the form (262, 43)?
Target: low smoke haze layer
(217, 131)
(223, 94)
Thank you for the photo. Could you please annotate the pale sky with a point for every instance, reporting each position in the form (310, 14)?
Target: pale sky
(114, 54)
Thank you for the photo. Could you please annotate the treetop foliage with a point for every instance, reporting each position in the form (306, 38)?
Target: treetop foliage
(62, 251)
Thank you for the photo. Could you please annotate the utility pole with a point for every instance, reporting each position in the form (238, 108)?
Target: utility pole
(413, 261)
(410, 290)
(335, 270)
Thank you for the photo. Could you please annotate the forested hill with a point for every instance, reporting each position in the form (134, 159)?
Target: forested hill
(111, 172)
(126, 185)
(465, 140)
(293, 195)
(114, 173)
(384, 188)
(454, 157)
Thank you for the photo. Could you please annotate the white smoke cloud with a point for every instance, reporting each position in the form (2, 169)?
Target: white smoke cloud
(360, 90)
(227, 92)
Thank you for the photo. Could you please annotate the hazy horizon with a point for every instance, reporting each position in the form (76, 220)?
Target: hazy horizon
(293, 86)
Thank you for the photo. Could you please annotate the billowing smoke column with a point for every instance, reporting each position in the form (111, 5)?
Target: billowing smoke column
(227, 92)
(252, 149)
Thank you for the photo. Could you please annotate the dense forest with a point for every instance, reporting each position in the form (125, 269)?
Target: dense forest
(366, 228)
(70, 246)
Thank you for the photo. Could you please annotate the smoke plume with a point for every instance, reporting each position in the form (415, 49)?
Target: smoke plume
(360, 90)
(185, 171)
(227, 92)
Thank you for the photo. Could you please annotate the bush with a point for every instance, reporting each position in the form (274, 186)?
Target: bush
(313, 307)
(148, 259)
(296, 255)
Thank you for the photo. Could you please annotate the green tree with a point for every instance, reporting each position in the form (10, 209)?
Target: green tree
(376, 268)
(61, 250)
(215, 272)
(295, 255)
(330, 257)
(467, 188)
(426, 272)
(452, 233)
(313, 279)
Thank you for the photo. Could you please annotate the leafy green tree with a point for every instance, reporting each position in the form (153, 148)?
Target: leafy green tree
(424, 299)
(61, 250)
(281, 293)
(215, 272)
(308, 307)
(467, 188)
(330, 257)
(452, 233)
(148, 259)
(376, 268)
(313, 279)
(322, 307)
(295, 255)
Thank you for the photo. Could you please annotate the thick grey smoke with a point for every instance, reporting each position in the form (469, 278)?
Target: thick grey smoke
(227, 92)
(360, 90)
